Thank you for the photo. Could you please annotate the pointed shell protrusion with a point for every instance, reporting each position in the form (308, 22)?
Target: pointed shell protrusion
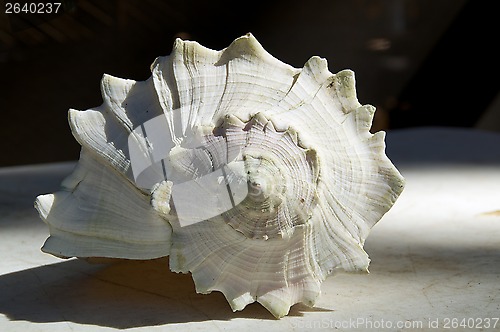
(258, 178)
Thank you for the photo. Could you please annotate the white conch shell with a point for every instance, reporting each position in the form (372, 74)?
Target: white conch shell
(258, 178)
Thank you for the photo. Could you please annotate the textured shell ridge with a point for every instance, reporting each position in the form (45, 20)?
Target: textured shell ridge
(100, 228)
(258, 178)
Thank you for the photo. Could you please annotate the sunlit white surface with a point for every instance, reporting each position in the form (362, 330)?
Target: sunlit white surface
(435, 258)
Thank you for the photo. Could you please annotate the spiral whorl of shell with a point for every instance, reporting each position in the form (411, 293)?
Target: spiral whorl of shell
(258, 178)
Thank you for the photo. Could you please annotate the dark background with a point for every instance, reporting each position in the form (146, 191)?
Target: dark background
(420, 62)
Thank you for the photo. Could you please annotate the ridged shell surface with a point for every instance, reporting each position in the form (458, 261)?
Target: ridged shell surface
(258, 178)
